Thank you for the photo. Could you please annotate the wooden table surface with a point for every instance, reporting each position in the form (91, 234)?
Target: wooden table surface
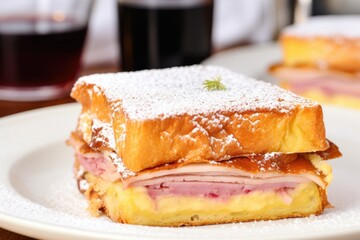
(8, 108)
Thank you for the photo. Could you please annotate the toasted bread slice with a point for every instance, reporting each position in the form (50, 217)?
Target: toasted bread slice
(155, 117)
(326, 42)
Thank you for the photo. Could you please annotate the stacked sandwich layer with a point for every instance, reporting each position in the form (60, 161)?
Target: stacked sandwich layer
(156, 148)
(321, 60)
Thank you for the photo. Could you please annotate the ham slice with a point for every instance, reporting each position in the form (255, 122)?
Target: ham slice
(220, 191)
(205, 180)
(98, 165)
(329, 82)
(218, 180)
(214, 173)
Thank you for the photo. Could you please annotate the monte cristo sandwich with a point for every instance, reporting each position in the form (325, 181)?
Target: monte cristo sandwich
(198, 145)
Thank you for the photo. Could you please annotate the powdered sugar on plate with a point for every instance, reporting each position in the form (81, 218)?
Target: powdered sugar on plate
(151, 94)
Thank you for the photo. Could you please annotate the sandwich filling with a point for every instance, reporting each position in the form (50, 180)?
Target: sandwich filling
(329, 82)
(276, 172)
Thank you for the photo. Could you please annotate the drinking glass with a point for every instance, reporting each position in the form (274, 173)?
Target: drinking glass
(41, 43)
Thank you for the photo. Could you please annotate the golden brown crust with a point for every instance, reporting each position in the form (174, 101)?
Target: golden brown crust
(150, 143)
(336, 52)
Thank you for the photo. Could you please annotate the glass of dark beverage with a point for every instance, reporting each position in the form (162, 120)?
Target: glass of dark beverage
(41, 43)
(164, 33)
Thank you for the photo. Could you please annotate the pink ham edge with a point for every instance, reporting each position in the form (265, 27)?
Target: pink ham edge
(302, 80)
(207, 180)
(218, 190)
(99, 166)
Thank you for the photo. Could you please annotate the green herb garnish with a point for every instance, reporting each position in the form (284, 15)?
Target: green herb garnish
(214, 84)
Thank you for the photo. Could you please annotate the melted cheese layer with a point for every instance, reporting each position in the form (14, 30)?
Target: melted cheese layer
(135, 206)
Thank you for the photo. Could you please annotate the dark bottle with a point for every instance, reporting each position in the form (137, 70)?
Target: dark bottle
(164, 33)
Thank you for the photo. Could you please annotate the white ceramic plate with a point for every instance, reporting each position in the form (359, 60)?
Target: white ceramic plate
(39, 198)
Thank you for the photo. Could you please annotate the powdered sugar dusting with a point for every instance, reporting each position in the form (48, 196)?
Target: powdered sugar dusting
(271, 155)
(151, 94)
(103, 133)
(121, 169)
(346, 26)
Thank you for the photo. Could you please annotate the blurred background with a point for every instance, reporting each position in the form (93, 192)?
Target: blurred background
(235, 23)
